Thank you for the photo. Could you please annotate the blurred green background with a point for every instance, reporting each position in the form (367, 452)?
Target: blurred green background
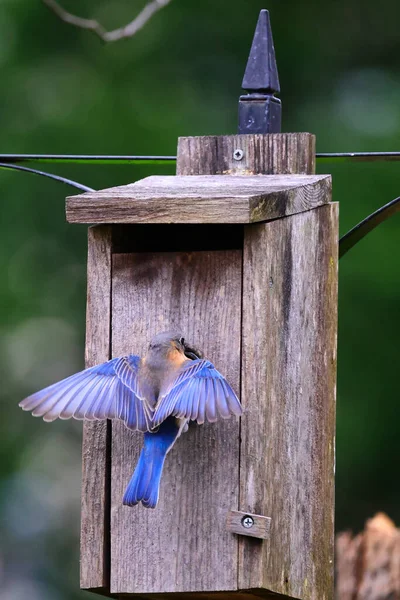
(63, 91)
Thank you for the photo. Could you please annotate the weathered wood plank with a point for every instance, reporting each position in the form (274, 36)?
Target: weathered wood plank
(201, 199)
(248, 524)
(96, 436)
(176, 547)
(245, 595)
(283, 153)
(288, 391)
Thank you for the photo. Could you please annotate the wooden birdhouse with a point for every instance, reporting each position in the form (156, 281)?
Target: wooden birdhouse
(245, 264)
(238, 250)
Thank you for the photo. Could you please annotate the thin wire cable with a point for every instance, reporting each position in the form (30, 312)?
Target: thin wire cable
(352, 237)
(150, 159)
(86, 159)
(358, 156)
(64, 180)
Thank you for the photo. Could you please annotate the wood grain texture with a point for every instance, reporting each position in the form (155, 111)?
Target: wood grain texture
(259, 529)
(245, 595)
(96, 435)
(183, 544)
(201, 199)
(288, 391)
(284, 153)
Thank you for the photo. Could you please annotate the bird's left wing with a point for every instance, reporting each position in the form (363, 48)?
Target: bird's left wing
(101, 392)
(199, 393)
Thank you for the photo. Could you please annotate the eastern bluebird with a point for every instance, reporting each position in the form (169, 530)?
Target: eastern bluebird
(158, 395)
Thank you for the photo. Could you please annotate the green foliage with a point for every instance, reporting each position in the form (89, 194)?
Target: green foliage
(65, 92)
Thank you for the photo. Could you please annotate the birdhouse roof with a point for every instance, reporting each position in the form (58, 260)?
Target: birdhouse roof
(201, 199)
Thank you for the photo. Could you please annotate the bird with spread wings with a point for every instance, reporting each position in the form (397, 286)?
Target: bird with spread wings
(157, 395)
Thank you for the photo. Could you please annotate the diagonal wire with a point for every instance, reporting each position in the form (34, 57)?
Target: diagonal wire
(70, 182)
(352, 237)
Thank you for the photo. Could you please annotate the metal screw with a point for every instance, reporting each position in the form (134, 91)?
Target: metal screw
(238, 154)
(247, 521)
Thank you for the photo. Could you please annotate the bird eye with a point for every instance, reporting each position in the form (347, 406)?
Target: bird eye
(182, 341)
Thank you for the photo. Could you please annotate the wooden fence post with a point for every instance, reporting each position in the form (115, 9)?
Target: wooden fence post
(289, 328)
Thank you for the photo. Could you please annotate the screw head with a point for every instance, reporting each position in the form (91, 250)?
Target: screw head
(247, 521)
(238, 154)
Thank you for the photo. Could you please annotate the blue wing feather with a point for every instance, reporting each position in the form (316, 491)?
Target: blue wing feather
(199, 393)
(201, 415)
(126, 369)
(211, 410)
(69, 405)
(95, 393)
(222, 401)
(193, 400)
(59, 395)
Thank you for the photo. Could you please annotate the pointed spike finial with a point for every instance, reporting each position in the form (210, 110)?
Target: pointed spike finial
(261, 74)
(259, 110)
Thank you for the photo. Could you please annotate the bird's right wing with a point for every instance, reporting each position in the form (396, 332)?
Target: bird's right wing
(101, 392)
(200, 393)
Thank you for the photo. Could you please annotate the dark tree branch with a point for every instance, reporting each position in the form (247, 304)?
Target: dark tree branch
(127, 31)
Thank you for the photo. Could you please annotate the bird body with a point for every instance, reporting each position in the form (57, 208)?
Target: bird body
(158, 395)
(158, 370)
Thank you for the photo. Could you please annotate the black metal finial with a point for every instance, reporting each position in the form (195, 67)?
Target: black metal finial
(259, 110)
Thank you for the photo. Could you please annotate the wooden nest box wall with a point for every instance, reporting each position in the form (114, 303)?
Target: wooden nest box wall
(239, 251)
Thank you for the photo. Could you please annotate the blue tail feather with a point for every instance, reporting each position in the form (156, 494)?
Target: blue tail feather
(138, 480)
(150, 496)
(145, 482)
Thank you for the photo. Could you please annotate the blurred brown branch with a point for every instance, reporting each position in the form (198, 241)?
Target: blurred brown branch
(368, 565)
(126, 31)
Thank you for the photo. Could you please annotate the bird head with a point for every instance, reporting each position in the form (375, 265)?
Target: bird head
(162, 342)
